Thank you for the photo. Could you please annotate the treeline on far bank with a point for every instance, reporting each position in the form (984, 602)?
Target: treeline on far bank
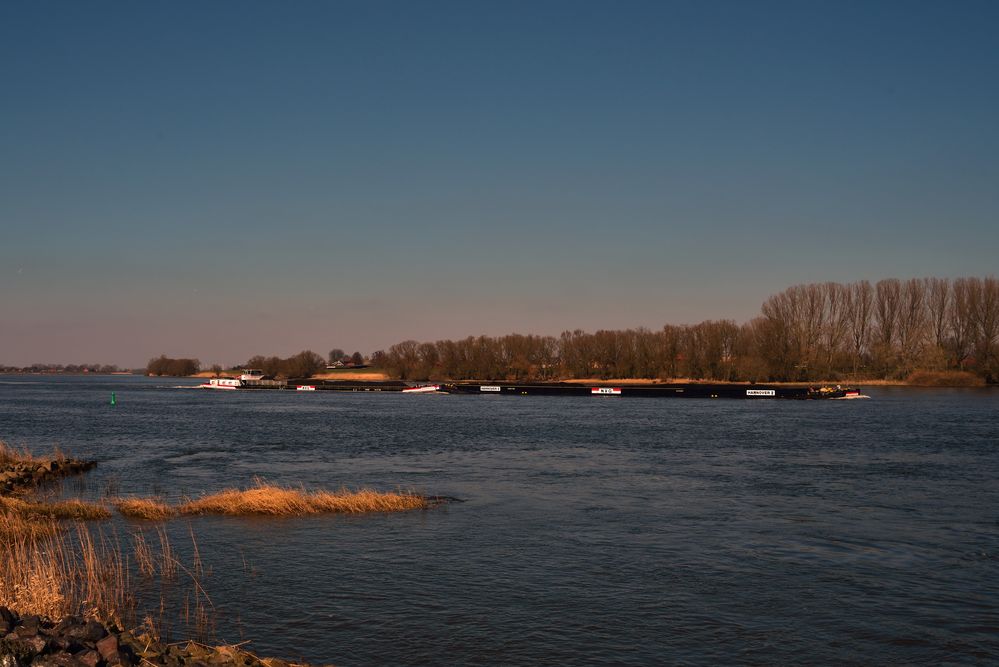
(823, 331)
(302, 365)
(164, 365)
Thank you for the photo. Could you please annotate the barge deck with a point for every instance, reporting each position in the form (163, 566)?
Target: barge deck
(685, 390)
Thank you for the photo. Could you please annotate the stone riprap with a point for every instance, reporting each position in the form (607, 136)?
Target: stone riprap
(20, 475)
(75, 642)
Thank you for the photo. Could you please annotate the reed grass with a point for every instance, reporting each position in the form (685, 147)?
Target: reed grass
(272, 500)
(10, 455)
(49, 569)
(15, 526)
(73, 510)
(149, 509)
(143, 555)
(61, 573)
(167, 562)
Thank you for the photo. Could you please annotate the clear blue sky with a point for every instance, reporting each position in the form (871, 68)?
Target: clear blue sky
(219, 179)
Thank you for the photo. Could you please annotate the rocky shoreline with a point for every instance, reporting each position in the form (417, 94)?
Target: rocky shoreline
(21, 475)
(75, 642)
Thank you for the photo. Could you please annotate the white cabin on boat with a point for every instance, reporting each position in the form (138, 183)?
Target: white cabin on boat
(222, 383)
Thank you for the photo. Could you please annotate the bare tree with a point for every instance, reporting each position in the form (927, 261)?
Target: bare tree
(912, 321)
(962, 324)
(861, 307)
(938, 297)
(836, 322)
(887, 302)
(812, 322)
(777, 334)
(986, 315)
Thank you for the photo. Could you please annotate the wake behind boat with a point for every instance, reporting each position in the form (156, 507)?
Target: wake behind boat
(423, 389)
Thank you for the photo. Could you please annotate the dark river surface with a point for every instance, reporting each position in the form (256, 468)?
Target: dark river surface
(595, 530)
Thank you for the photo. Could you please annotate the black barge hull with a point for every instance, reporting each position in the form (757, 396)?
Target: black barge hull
(686, 390)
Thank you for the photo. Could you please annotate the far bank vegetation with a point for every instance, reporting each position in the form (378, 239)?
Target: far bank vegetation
(164, 365)
(302, 365)
(935, 330)
(927, 331)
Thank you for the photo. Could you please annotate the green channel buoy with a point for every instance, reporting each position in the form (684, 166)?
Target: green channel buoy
(114, 401)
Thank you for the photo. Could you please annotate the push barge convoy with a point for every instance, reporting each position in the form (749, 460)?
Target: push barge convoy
(252, 380)
(684, 390)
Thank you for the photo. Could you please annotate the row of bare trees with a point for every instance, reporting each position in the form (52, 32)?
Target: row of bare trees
(885, 330)
(807, 332)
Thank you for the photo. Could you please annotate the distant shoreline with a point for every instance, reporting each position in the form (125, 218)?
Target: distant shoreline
(925, 379)
(138, 373)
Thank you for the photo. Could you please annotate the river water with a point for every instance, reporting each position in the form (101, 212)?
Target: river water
(594, 530)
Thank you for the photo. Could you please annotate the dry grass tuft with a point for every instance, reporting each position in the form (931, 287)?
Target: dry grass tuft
(10, 455)
(74, 510)
(279, 501)
(144, 508)
(271, 500)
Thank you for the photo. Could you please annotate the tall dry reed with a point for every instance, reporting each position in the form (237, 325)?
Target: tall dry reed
(10, 455)
(54, 569)
(56, 573)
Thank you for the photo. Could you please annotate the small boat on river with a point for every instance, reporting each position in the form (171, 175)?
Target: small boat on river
(222, 383)
(251, 378)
